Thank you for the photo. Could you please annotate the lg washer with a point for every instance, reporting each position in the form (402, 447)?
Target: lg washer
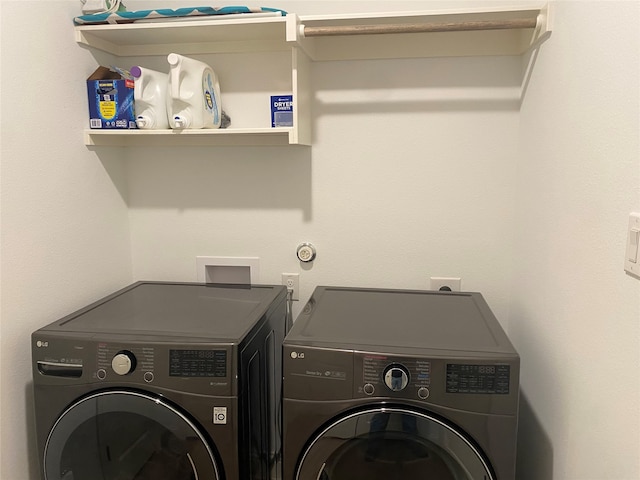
(171, 381)
(396, 384)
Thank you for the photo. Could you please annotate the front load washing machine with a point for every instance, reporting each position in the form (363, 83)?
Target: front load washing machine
(172, 381)
(394, 384)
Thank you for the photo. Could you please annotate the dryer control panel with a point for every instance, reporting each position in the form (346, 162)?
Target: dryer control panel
(435, 380)
(477, 384)
(383, 375)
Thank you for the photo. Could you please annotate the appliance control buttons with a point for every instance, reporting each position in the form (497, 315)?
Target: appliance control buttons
(423, 393)
(124, 362)
(368, 389)
(101, 374)
(148, 377)
(396, 377)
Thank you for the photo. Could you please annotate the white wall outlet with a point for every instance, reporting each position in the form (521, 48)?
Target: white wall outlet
(632, 254)
(232, 270)
(94, 6)
(446, 284)
(292, 282)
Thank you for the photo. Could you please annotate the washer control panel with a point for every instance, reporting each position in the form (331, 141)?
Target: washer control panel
(198, 363)
(199, 368)
(120, 360)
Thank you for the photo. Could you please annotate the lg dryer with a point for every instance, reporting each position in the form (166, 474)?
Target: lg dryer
(159, 381)
(392, 384)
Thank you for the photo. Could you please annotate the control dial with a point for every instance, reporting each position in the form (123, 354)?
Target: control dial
(396, 377)
(124, 362)
(423, 393)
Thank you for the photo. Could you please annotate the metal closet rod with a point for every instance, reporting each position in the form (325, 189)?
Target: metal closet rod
(328, 31)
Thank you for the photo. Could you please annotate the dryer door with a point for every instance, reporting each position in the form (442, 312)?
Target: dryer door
(392, 443)
(121, 435)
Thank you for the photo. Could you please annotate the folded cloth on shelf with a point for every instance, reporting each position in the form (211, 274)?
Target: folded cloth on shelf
(164, 14)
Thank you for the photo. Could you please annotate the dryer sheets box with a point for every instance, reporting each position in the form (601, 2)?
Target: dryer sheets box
(282, 110)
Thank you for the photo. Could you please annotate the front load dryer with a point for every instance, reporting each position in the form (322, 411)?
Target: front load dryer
(172, 381)
(399, 385)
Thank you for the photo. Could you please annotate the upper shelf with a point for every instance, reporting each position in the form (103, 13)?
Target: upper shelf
(237, 34)
(331, 37)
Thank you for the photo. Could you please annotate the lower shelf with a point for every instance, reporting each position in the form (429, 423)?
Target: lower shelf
(204, 137)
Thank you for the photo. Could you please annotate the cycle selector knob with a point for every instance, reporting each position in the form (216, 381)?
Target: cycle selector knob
(123, 362)
(396, 377)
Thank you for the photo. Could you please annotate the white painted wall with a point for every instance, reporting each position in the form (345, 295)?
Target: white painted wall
(575, 315)
(401, 184)
(419, 168)
(65, 233)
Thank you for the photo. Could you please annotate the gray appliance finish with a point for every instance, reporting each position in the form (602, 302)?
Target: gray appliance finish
(396, 384)
(162, 381)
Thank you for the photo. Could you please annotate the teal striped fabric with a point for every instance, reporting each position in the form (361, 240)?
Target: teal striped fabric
(159, 14)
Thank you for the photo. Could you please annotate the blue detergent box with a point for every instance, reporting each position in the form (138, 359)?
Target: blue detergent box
(282, 110)
(111, 104)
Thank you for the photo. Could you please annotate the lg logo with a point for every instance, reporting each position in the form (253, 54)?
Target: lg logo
(295, 355)
(41, 344)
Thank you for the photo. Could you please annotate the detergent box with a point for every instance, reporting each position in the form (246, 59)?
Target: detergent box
(110, 100)
(282, 110)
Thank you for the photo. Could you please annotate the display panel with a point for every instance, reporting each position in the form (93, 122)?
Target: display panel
(489, 379)
(198, 363)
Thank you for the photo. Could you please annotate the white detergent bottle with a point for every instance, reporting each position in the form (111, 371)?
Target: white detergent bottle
(150, 98)
(193, 96)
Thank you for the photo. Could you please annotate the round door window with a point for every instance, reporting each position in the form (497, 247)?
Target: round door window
(120, 435)
(392, 443)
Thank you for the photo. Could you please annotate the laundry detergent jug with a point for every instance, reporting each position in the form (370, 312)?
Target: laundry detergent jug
(193, 95)
(150, 98)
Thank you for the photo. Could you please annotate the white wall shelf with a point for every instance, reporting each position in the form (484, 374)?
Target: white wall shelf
(311, 38)
(233, 35)
(203, 137)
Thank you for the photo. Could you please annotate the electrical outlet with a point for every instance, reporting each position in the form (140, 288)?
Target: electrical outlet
(292, 282)
(632, 259)
(446, 284)
(94, 6)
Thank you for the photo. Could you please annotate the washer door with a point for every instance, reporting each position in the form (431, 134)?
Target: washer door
(121, 435)
(392, 443)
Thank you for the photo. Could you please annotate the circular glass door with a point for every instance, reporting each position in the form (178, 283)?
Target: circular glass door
(121, 435)
(392, 443)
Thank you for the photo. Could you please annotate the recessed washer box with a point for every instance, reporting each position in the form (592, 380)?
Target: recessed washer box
(228, 270)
